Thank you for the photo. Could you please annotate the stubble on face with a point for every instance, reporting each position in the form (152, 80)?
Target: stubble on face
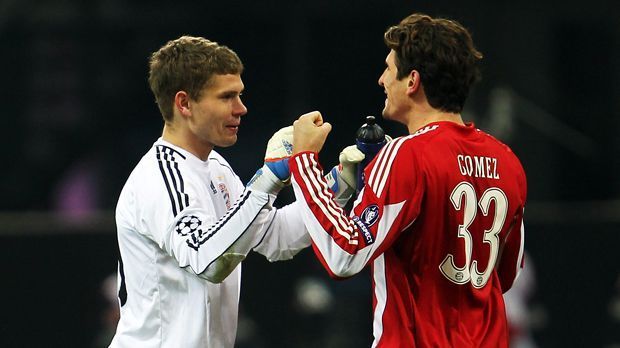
(217, 115)
(390, 86)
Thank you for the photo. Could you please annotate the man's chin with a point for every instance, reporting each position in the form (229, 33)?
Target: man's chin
(385, 114)
(227, 142)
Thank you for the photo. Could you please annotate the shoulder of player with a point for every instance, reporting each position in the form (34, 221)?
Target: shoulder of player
(502, 146)
(493, 139)
(508, 157)
(168, 153)
(140, 188)
(160, 170)
(400, 156)
(416, 141)
(408, 147)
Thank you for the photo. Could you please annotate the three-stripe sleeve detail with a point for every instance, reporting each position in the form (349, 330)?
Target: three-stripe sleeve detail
(196, 240)
(169, 168)
(323, 197)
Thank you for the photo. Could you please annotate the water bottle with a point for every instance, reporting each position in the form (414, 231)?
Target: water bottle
(369, 139)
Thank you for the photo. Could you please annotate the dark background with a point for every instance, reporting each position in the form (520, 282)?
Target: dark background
(78, 114)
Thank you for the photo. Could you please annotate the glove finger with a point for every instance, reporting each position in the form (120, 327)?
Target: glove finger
(351, 154)
(280, 145)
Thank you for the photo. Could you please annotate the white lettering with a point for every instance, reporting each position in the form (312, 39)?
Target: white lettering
(459, 159)
(478, 166)
(469, 165)
(488, 167)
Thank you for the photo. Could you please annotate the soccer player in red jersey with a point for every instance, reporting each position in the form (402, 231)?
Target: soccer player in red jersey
(440, 216)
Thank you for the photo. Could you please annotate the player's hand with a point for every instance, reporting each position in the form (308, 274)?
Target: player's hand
(349, 158)
(342, 179)
(310, 132)
(279, 150)
(274, 174)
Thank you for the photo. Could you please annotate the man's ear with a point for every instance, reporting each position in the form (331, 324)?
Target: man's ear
(182, 103)
(413, 82)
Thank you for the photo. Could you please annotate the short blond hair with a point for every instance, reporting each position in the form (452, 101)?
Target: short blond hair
(187, 64)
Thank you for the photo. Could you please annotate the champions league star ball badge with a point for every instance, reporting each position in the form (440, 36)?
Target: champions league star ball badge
(188, 225)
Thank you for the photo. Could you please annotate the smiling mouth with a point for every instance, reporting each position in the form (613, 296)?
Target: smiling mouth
(233, 129)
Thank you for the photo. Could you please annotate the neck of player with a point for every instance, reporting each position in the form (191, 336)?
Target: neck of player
(185, 139)
(424, 116)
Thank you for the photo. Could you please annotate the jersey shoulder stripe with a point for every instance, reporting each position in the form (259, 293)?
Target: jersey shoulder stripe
(383, 165)
(171, 152)
(169, 168)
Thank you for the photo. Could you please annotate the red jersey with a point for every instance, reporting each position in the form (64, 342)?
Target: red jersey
(440, 222)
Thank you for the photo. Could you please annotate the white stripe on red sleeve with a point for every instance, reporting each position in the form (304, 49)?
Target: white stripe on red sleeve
(320, 195)
(381, 170)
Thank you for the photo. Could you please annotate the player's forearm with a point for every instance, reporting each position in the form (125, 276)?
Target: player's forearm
(285, 236)
(213, 251)
(336, 236)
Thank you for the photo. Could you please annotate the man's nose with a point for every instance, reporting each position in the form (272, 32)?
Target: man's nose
(240, 109)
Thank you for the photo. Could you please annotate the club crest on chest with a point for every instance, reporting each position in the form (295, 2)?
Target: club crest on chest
(225, 194)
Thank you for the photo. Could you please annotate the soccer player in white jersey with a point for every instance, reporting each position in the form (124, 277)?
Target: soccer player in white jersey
(185, 221)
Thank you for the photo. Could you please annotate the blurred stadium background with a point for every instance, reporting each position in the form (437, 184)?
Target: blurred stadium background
(78, 115)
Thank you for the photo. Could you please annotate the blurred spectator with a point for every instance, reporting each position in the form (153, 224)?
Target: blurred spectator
(77, 193)
(523, 318)
(110, 313)
(614, 315)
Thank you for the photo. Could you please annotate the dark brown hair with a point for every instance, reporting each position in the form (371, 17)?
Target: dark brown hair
(187, 64)
(442, 51)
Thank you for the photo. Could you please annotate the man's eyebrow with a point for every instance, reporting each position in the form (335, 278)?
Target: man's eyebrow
(230, 92)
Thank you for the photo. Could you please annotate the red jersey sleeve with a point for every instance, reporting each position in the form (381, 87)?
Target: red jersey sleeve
(511, 262)
(388, 204)
(511, 259)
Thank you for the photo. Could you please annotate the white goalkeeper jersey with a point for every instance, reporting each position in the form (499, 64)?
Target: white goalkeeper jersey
(183, 227)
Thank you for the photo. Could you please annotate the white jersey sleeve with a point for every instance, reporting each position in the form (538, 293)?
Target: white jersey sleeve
(277, 233)
(286, 234)
(281, 235)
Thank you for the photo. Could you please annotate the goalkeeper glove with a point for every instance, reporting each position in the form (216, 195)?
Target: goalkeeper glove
(342, 178)
(275, 174)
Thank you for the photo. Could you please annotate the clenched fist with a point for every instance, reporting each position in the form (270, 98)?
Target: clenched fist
(310, 132)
